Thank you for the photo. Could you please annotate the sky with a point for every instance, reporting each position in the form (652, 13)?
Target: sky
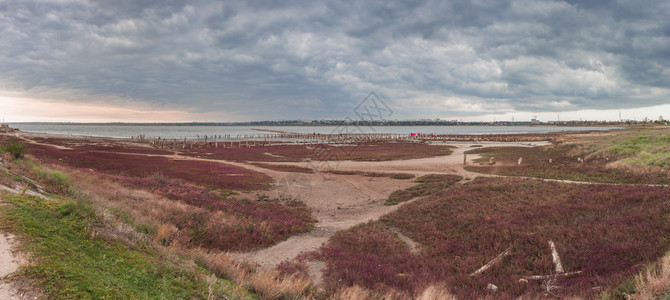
(222, 61)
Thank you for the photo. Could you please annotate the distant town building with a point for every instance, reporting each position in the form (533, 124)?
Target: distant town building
(534, 121)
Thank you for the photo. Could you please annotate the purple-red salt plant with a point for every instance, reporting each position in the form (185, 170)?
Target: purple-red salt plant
(606, 232)
(211, 174)
(250, 224)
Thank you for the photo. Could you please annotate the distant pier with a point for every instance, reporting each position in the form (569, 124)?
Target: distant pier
(290, 138)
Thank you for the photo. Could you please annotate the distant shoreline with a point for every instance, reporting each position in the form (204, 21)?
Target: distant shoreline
(234, 133)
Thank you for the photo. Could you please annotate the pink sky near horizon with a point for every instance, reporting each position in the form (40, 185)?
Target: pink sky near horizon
(20, 109)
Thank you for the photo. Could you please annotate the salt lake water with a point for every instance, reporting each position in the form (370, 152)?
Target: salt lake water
(194, 131)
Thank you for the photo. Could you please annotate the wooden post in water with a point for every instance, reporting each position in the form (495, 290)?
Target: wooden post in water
(465, 158)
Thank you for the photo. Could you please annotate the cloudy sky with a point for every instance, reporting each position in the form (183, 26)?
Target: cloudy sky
(100, 60)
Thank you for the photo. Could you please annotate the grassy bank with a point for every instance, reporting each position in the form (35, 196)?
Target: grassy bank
(69, 260)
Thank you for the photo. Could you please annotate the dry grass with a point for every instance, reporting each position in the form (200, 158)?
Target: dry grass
(219, 263)
(654, 283)
(436, 292)
(271, 285)
(356, 292)
(266, 284)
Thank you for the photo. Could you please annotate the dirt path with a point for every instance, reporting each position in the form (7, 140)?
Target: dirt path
(8, 265)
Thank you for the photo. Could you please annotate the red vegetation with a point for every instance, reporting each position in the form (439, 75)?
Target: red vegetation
(226, 223)
(606, 232)
(297, 267)
(98, 144)
(123, 149)
(296, 153)
(210, 174)
(371, 256)
(563, 166)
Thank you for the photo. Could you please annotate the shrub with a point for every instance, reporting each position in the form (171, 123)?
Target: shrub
(55, 182)
(16, 148)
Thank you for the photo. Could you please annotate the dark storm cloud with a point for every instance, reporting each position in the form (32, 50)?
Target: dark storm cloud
(309, 59)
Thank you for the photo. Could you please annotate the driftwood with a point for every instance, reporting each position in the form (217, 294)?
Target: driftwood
(492, 262)
(552, 276)
(554, 256)
(558, 267)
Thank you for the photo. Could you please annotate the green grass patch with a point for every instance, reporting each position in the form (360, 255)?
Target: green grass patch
(647, 148)
(69, 263)
(391, 175)
(429, 184)
(487, 154)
